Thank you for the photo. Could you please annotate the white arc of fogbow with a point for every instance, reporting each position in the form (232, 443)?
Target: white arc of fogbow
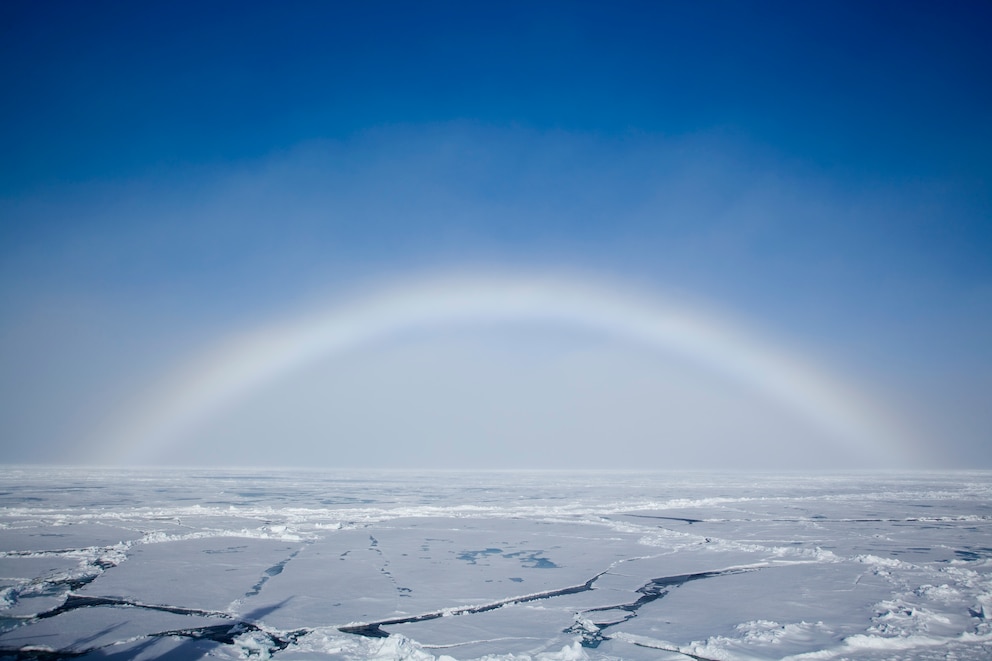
(248, 361)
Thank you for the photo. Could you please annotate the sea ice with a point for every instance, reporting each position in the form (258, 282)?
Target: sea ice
(531, 565)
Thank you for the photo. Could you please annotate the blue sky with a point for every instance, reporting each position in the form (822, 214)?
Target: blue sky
(174, 173)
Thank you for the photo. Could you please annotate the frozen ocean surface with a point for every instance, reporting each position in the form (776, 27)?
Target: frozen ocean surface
(180, 564)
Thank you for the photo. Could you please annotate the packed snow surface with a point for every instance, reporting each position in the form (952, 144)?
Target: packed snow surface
(494, 565)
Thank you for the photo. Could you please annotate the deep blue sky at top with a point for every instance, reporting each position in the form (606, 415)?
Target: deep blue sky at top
(101, 89)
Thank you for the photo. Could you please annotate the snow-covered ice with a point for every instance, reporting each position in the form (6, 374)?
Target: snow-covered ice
(494, 565)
